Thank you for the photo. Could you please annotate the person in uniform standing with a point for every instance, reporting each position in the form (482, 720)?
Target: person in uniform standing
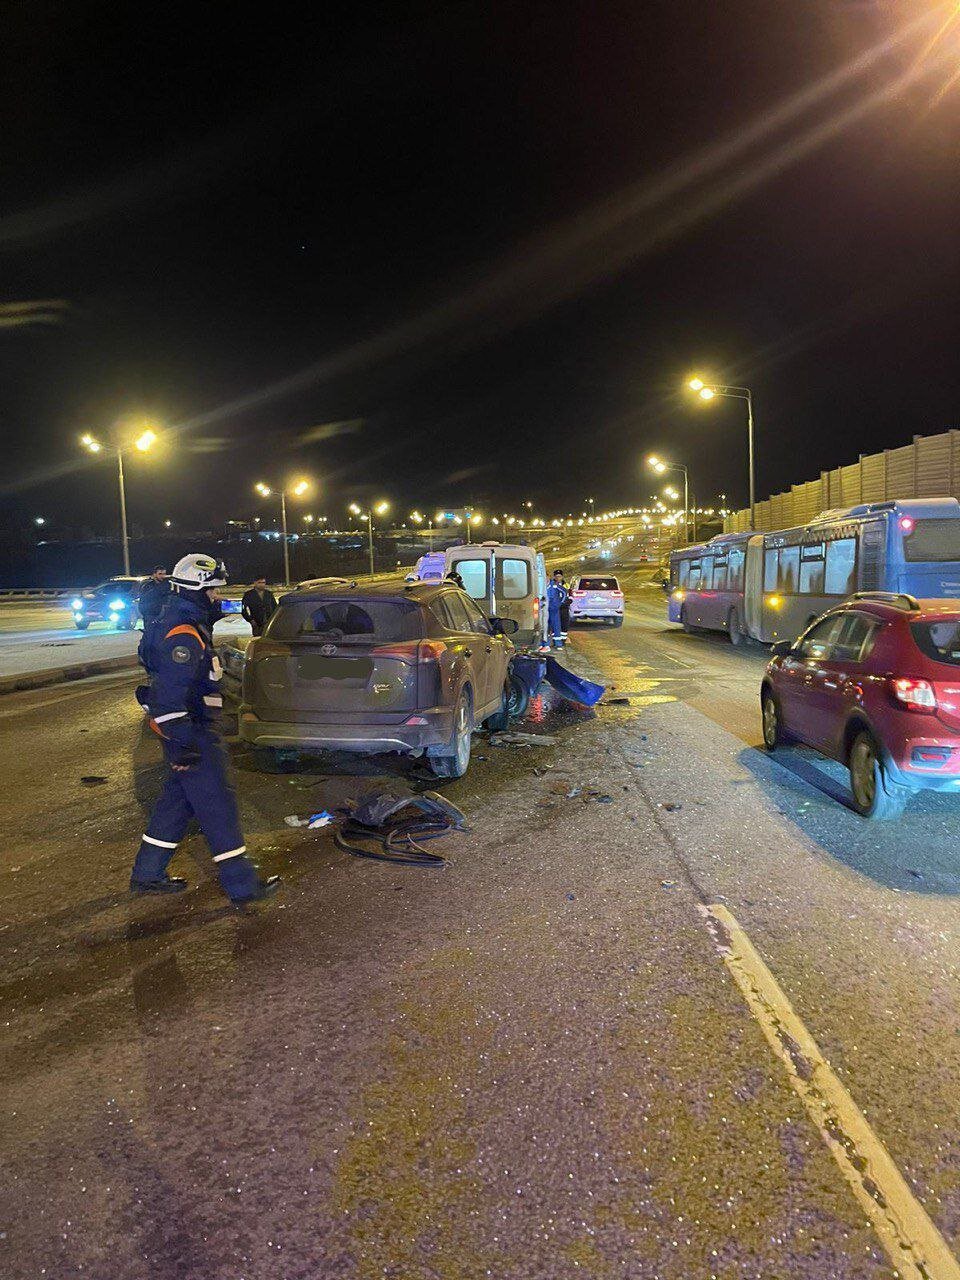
(185, 704)
(258, 605)
(557, 596)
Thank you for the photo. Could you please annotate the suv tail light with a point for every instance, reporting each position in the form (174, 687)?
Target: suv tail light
(579, 593)
(618, 595)
(412, 650)
(260, 648)
(913, 695)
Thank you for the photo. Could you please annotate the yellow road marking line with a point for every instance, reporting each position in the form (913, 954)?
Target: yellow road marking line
(915, 1246)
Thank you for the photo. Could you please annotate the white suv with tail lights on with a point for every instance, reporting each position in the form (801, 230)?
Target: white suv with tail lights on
(597, 597)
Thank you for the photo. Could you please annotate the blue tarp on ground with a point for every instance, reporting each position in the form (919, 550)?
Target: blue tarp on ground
(573, 688)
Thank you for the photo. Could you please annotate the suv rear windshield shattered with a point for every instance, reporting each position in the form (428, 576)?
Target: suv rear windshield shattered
(939, 640)
(346, 621)
(936, 541)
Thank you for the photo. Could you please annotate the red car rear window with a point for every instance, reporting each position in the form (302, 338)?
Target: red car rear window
(939, 640)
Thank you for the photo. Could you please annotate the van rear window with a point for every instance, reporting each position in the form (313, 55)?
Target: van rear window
(599, 584)
(939, 640)
(346, 621)
(513, 579)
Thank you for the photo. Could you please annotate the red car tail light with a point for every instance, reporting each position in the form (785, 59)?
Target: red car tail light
(913, 695)
(412, 650)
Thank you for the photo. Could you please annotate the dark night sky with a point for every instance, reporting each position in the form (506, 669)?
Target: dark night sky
(478, 230)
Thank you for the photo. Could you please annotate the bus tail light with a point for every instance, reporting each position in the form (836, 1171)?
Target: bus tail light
(907, 524)
(914, 695)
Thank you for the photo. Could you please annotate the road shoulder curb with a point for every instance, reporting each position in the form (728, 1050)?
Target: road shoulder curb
(62, 675)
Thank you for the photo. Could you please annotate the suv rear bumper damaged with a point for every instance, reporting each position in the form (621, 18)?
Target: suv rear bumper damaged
(418, 733)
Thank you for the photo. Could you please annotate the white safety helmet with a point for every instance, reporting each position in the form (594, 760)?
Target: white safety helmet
(197, 572)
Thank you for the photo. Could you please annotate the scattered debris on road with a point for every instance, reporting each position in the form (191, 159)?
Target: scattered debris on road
(522, 740)
(670, 806)
(93, 780)
(316, 820)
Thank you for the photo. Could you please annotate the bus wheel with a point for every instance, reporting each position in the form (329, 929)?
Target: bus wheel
(733, 626)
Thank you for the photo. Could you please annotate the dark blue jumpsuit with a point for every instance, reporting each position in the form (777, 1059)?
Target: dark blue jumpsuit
(185, 707)
(556, 596)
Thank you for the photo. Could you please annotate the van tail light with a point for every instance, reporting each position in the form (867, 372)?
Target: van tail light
(913, 695)
(411, 650)
(536, 608)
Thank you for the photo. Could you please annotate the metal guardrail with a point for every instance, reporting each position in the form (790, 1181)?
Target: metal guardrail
(16, 595)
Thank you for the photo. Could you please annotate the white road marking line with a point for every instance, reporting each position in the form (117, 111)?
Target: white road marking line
(915, 1246)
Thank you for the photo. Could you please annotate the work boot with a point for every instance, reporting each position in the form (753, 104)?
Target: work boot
(163, 884)
(265, 889)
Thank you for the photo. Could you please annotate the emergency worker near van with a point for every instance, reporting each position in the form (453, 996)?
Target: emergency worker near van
(557, 596)
(185, 705)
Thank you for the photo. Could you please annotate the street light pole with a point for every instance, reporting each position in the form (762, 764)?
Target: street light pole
(707, 391)
(286, 547)
(370, 538)
(123, 516)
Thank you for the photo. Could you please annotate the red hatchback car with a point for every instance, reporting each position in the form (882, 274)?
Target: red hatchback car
(874, 684)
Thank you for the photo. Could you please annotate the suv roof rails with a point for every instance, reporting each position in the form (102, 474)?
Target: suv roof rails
(899, 599)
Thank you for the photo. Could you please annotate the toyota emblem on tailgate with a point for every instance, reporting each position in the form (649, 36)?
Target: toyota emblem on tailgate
(328, 650)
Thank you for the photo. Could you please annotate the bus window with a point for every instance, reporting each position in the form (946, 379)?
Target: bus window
(840, 578)
(789, 570)
(691, 575)
(719, 575)
(735, 570)
(771, 570)
(685, 573)
(932, 541)
(706, 573)
(812, 570)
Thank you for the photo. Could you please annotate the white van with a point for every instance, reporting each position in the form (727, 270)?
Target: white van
(506, 582)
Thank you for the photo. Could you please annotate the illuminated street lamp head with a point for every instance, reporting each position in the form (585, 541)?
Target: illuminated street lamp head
(438, 518)
(475, 519)
(263, 489)
(416, 517)
(300, 488)
(145, 440)
(90, 443)
(671, 493)
(353, 509)
(695, 384)
(707, 393)
(381, 508)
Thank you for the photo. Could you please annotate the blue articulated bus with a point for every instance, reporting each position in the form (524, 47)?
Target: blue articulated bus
(771, 586)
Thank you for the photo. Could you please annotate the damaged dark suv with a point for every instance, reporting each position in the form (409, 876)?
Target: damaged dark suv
(392, 667)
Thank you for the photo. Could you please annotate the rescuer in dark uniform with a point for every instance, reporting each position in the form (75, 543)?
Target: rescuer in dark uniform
(185, 708)
(258, 605)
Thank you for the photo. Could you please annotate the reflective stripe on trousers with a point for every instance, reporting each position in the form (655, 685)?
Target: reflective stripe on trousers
(203, 791)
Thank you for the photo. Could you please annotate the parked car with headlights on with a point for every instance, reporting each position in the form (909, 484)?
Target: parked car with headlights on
(115, 602)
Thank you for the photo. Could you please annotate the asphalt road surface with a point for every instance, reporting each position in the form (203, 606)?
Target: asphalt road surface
(670, 1010)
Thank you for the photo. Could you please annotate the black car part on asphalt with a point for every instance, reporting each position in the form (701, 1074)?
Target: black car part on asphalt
(377, 826)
